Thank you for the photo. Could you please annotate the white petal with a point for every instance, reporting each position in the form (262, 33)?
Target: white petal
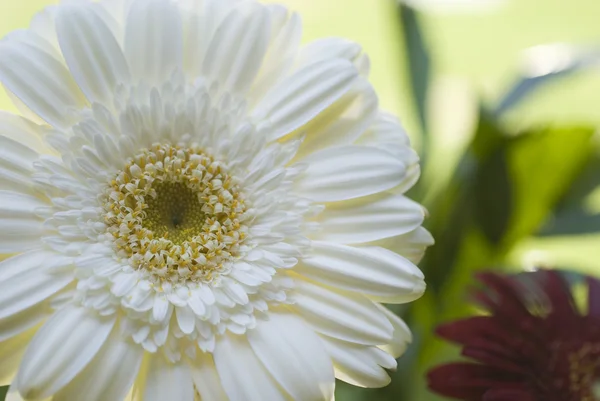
(402, 335)
(13, 396)
(215, 11)
(385, 130)
(44, 41)
(23, 264)
(19, 235)
(234, 291)
(21, 130)
(348, 172)
(198, 29)
(206, 378)
(375, 272)
(113, 16)
(16, 165)
(160, 309)
(294, 355)
(196, 304)
(388, 134)
(18, 323)
(343, 122)
(358, 364)
(206, 294)
(109, 376)
(25, 282)
(411, 245)
(280, 56)
(369, 219)
(24, 111)
(203, 19)
(17, 205)
(242, 375)
(300, 97)
(329, 48)
(16, 156)
(185, 318)
(60, 350)
(363, 64)
(412, 176)
(117, 9)
(342, 315)
(91, 51)
(41, 82)
(167, 381)
(11, 354)
(123, 282)
(42, 24)
(238, 47)
(154, 40)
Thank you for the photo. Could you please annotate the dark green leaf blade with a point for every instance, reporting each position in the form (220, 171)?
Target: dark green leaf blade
(493, 196)
(418, 60)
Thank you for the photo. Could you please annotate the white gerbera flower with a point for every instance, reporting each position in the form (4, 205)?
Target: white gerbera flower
(197, 205)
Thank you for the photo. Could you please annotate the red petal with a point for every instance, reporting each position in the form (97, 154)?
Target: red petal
(508, 302)
(496, 355)
(466, 330)
(508, 394)
(559, 295)
(467, 381)
(507, 333)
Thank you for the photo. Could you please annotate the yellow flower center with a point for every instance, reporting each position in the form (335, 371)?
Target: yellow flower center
(175, 212)
(584, 365)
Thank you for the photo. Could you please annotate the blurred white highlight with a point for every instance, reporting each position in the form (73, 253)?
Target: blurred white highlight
(557, 57)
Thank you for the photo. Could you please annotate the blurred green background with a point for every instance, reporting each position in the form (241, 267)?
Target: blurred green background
(503, 104)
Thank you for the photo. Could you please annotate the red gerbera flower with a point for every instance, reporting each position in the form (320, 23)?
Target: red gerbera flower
(533, 346)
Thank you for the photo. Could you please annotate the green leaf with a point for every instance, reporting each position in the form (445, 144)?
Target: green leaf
(467, 199)
(3, 392)
(489, 136)
(418, 59)
(543, 164)
(576, 213)
(493, 196)
(572, 222)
